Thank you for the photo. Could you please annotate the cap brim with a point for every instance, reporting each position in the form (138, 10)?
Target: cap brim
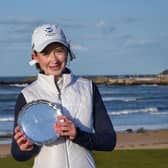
(44, 45)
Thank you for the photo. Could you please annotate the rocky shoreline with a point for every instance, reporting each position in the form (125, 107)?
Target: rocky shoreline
(110, 80)
(131, 80)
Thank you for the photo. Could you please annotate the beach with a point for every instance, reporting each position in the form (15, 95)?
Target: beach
(126, 140)
(157, 139)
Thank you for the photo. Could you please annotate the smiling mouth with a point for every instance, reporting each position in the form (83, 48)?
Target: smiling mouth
(55, 67)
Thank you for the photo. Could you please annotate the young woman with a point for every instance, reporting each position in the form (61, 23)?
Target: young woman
(86, 125)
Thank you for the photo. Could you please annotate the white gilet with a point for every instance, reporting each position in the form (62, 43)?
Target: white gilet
(76, 98)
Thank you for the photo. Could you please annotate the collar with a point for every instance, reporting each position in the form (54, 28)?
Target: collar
(48, 81)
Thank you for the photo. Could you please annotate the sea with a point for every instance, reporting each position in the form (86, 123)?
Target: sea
(138, 107)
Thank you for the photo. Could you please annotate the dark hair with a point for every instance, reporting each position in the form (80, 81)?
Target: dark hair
(38, 65)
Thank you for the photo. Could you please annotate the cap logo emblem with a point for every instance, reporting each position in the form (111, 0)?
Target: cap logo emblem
(48, 30)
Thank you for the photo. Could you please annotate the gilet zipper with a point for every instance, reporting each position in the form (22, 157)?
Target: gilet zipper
(61, 107)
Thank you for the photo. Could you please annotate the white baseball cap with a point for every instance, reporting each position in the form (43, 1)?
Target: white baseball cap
(47, 34)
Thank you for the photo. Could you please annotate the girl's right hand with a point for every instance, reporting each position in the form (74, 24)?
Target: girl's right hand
(23, 143)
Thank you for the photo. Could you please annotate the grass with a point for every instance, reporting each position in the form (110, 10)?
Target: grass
(156, 158)
(9, 162)
(132, 158)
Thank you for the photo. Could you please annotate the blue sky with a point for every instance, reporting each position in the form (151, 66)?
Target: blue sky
(109, 37)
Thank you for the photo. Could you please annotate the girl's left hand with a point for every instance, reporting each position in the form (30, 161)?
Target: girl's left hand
(65, 127)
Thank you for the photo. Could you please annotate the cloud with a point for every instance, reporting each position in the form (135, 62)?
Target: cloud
(22, 30)
(19, 20)
(78, 47)
(127, 41)
(19, 27)
(129, 20)
(68, 23)
(15, 35)
(140, 43)
(104, 27)
(135, 43)
(164, 36)
(72, 25)
(16, 30)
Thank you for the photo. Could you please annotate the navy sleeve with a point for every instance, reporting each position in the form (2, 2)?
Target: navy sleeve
(15, 150)
(104, 137)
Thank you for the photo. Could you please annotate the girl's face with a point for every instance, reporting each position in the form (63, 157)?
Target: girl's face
(52, 60)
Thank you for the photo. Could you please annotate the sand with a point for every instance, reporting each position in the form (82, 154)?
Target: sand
(4, 150)
(133, 140)
(143, 140)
